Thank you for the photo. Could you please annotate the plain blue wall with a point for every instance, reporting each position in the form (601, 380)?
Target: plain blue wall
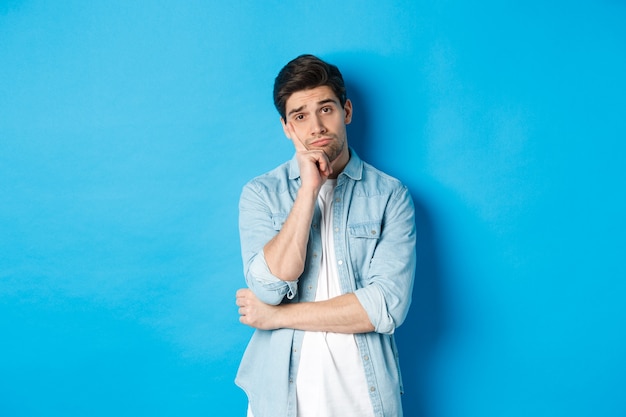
(127, 130)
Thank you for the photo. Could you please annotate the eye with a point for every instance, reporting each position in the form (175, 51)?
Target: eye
(298, 117)
(326, 109)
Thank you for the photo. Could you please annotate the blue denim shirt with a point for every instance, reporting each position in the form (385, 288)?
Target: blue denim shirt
(374, 218)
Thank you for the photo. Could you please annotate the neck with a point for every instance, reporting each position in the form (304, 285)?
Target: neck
(339, 163)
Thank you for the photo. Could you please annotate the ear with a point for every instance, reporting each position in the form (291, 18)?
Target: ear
(347, 108)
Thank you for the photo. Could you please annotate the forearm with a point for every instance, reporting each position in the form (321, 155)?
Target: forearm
(342, 314)
(285, 253)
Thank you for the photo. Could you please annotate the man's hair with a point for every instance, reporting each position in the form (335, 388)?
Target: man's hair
(304, 73)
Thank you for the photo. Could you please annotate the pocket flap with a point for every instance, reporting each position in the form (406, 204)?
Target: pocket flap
(369, 230)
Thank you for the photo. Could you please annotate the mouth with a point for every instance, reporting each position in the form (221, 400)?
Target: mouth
(320, 142)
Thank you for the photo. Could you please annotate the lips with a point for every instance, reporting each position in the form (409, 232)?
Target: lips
(321, 142)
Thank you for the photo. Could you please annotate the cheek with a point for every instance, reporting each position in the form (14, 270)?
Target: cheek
(340, 129)
(302, 130)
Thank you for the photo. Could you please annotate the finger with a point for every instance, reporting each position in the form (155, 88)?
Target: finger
(242, 292)
(321, 161)
(324, 165)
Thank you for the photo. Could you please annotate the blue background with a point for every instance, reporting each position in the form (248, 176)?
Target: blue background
(127, 130)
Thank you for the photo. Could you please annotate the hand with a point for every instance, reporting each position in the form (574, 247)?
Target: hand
(255, 313)
(315, 167)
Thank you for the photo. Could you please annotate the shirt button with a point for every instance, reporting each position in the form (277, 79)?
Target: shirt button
(367, 358)
(372, 389)
(315, 254)
(336, 229)
(315, 226)
(340, 262)
(373, 232)
(337, 199)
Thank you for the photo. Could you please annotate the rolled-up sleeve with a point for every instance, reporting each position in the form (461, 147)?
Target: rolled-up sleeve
(267, 287)
(386, 295)
(258, 224)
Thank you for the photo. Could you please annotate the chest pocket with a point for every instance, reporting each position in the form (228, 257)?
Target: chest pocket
(363, 238)
(370, 230)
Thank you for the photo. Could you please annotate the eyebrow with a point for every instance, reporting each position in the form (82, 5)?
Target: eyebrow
(321, 102)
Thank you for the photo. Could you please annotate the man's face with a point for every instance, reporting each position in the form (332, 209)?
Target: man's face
(316, 120)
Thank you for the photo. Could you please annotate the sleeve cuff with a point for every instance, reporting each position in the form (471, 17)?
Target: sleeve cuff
(373, 301)
(267, 287)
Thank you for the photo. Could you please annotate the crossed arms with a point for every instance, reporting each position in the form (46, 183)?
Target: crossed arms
(278, 265)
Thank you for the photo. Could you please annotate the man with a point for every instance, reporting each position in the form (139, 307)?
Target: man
(328, 245)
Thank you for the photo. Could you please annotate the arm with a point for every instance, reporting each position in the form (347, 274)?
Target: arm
(380, 305)
(274, 240)
(343, 314)
(285, 254)
(388, 282)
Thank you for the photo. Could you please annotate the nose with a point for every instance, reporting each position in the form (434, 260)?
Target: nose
(317, 127)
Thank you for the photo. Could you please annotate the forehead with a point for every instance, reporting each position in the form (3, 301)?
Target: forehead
(310, 98)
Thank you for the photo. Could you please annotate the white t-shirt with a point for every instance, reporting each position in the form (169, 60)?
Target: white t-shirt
(331, 379)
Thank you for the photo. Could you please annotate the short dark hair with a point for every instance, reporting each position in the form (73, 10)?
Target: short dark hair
(303, 73)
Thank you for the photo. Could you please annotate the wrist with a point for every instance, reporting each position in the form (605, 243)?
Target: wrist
(308, 192)
(278, 321)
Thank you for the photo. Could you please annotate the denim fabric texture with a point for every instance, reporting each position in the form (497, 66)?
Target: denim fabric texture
(375, 237)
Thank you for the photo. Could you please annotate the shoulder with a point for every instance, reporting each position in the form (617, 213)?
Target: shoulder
(368, 177)
(276, 180)
(375, 180)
